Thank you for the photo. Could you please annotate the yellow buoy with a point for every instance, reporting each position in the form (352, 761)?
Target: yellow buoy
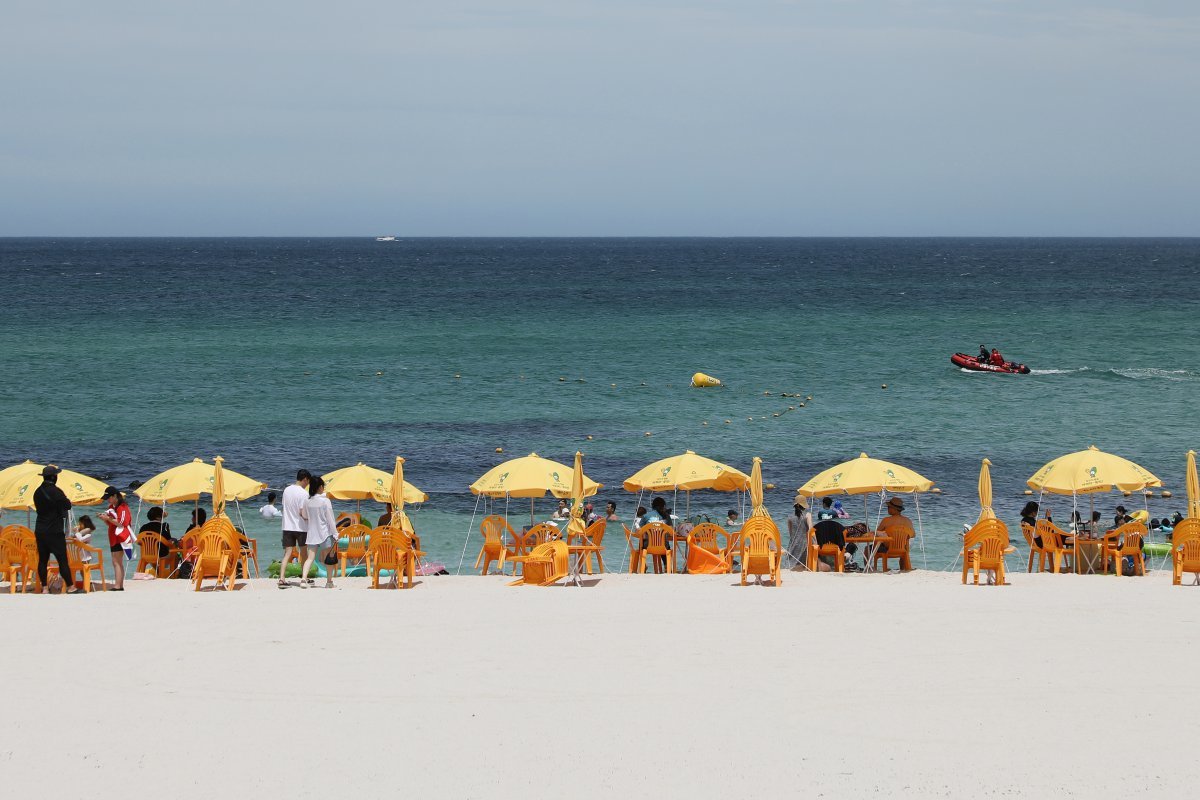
(499, 449)
(702, 381)
(769, 486)
(936, 490)
(1028, 491)
(589, 438)
(1167, 495)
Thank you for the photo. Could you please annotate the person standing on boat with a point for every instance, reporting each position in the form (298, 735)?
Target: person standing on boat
(984, 356)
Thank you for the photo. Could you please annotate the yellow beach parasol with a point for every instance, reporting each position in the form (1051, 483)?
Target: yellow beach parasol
(865, 475)
(397, 493)
(20, 481)
(530, 476)
(187, 482)
(985, 491)
(1090, 471)
(687, 471)
(218, 488)
(1193, 486)
(577, 525)
(361, 482)
(757, 508)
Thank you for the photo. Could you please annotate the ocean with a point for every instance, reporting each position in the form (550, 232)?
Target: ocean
(123, 357)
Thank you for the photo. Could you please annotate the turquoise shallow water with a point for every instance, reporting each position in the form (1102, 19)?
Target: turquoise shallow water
(124, 357)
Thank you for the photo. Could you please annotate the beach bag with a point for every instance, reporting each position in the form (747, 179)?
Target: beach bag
(331, 555)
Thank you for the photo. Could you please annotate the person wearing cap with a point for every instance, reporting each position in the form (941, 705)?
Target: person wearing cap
(50, 529)
(895, 523)
(798, 526)
(120, 533)
(589, 513)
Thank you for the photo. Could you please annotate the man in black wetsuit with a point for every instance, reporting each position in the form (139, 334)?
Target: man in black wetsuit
(984, 355)
(51, 528)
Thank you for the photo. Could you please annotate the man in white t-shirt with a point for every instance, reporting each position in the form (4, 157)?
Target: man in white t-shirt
(295, 529)
(269, 511)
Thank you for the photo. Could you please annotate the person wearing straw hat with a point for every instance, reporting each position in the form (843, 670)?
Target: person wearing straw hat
(50, 529)
(895, 522)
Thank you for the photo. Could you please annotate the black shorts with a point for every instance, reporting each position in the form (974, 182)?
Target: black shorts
(294, 538)
(115, 548)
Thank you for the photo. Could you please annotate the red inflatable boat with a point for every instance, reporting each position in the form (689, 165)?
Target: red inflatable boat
(973, 363)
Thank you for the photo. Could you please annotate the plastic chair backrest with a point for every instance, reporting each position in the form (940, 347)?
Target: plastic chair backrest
(594, 533)
(899, 538)
(386, 549)
(541, 533)
(984, 529)
(356, 537)
(753, 525)
(1027, 531)
(1050, 534)
(705, 536)
(1132, 534)
(655, 535)
(493, 529)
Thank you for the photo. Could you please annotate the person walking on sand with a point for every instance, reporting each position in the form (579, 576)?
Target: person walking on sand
(50, 529)
(120, 533)
(295, 529)
(322, 529)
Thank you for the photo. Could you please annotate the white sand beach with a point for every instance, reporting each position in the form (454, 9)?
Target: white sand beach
(638, 686)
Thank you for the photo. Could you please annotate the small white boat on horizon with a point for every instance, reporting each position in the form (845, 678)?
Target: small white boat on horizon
(385, 238)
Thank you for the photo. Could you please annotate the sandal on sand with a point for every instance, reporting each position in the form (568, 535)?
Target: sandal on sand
(303, 584)
(74, 590)
(329, 585)
(283, 584)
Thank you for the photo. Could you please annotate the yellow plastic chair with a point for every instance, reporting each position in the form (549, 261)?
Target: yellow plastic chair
(217, 554)
(1125, 541)
(495, 529)
(18, 557)
(546, 565)
(77, 554)
(384, 553)
(633, 543)
(707, 536)
(899, 539)
(249, 555)
(762, 548)
(592, 535)
(1054, 544)
(1034, 551)
(1185, 551)
(355, 550)
(733, 546)
(150, 556)
(984, 548)
(657, 539)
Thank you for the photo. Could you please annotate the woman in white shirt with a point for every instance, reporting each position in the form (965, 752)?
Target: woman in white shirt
(322, 530)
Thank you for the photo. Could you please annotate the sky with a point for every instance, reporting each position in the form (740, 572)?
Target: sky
(605, 118)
